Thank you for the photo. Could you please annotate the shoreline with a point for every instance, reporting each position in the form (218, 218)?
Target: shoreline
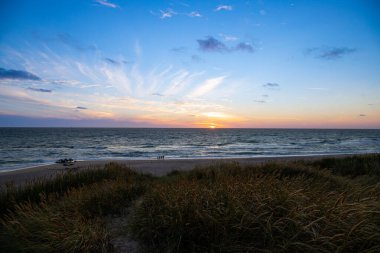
(152, 166)
(144, 159)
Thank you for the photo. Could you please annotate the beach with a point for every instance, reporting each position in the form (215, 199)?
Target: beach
(154, 167)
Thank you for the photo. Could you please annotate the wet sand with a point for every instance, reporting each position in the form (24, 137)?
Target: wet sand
(154, 167)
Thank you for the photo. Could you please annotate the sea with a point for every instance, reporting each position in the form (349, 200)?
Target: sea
(27, 147)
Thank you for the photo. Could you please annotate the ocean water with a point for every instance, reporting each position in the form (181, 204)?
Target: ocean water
(25, 147)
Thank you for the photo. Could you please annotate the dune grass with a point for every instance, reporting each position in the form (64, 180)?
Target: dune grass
(271, 208)
(353, 166)
(66, 213)
(10, 194)
(321, 206)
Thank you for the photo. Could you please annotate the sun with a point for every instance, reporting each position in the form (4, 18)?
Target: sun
(212, 127)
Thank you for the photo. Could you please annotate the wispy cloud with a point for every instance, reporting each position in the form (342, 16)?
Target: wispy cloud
(40, 90)
(244, 47)
(168, 13)
(81, 108)
(259, 101)
(124, 92)
(330, 53)
(194, 14)
(112, 61)
(207, 86)
(17, 74)
(223, 8)
(107, 4)
(210, 44)
(362, 115)
(271, 85)
(228, 37)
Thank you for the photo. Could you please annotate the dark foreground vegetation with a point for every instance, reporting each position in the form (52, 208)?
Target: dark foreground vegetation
(331, 205)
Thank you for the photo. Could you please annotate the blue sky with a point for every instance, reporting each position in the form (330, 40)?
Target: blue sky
(190, 63)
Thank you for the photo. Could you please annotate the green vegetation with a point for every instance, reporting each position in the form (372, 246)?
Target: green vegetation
(330, 205)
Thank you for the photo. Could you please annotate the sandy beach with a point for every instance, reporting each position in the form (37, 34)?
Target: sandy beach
(154, 167)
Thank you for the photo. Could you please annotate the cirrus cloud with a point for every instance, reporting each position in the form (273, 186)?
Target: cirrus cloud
(168, 13)
(330, 53)
(107, 4)
(207, 86)
(224, 8)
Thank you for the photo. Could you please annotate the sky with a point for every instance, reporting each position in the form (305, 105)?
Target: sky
(207, 64)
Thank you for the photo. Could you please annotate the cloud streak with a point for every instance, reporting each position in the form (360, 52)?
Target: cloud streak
(40, 90)
(17, 74)
(228, 37)
(168, 13)
(223, 8)
(210, 44)
(195, 14)
(244, 47)
(107, 4)
(271, 85)
(330, 53)
(112, 61)
(207, 86)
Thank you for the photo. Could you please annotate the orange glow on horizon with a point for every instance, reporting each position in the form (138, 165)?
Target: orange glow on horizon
(212, 120)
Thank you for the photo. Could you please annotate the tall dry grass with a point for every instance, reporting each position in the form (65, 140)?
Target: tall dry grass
(272, 208)
(69, 219)
(322, 206)
(10, 194)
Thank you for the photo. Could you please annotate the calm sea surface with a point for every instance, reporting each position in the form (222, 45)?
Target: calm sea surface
(24, 147)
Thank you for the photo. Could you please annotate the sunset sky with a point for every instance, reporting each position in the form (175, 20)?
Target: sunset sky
(124, 63)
